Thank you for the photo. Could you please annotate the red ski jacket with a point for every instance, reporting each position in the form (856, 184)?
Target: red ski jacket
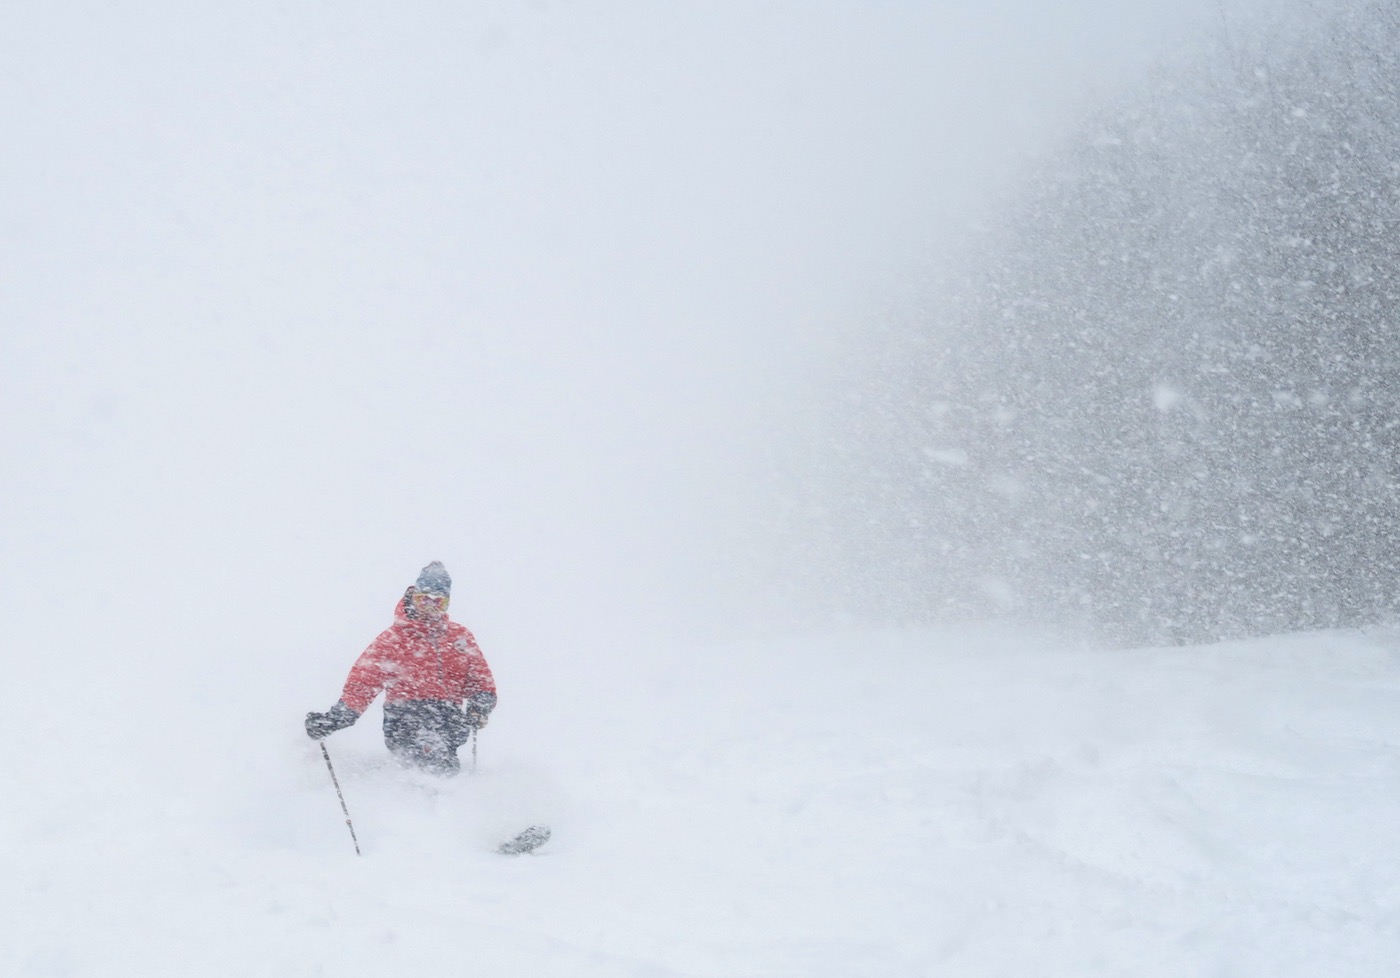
(417, 659)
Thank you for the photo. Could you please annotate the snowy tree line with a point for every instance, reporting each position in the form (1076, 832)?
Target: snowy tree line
(1164, 395)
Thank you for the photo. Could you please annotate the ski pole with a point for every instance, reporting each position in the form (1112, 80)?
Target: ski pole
(473, 750)
(336, 781)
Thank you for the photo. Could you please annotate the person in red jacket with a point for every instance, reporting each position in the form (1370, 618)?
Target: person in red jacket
(438, 689)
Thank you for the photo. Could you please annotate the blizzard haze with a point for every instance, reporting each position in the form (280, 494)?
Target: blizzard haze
(297, 299)
(1158, 397)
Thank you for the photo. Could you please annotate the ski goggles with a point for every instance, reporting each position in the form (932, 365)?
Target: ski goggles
(423, 600)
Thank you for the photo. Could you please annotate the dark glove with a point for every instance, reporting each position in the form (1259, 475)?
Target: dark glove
(319, 726)
(478, 709)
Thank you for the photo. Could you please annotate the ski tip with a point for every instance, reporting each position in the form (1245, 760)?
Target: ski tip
(527, 841)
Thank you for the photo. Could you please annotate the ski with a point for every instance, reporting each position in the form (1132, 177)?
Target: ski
(527, 841)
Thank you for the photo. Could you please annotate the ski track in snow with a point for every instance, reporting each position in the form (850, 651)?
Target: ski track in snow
(967, 802)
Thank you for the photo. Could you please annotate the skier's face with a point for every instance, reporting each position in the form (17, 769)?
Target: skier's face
(429, 605)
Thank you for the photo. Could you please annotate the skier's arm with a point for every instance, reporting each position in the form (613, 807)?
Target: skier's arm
(367, 676)
(478, 685)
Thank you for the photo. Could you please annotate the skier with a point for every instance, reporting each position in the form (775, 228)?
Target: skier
(438, 689)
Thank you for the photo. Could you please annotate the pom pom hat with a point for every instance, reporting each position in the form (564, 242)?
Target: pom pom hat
(434, 579)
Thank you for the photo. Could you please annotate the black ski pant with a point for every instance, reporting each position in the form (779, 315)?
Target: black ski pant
(426, 734)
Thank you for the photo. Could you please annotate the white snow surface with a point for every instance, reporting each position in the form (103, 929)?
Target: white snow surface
(960, 801)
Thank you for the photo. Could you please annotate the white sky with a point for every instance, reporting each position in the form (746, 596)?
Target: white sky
(302, 296)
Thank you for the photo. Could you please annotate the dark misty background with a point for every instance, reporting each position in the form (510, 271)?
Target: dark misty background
(1161, 397)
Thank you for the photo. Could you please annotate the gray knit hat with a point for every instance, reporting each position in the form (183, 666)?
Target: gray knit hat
(434, 579)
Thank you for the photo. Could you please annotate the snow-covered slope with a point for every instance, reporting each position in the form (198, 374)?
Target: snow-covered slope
(963, 802)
